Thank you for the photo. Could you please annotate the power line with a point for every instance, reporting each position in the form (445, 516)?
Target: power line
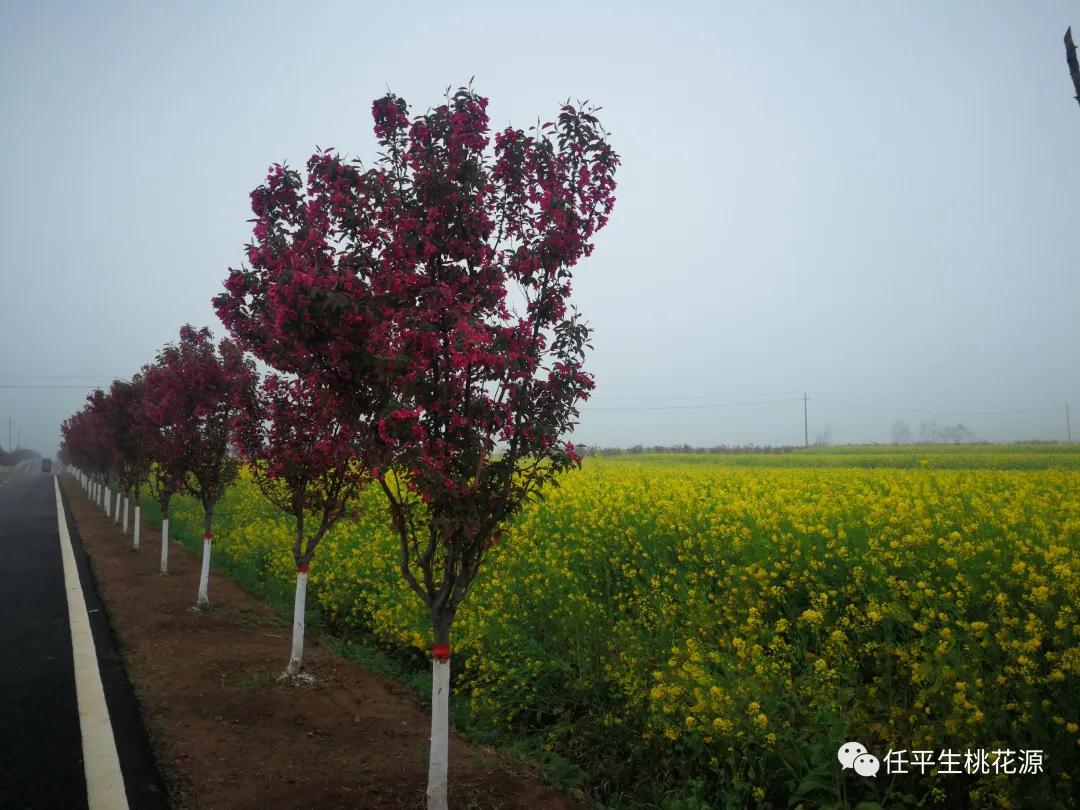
(28, 387)
(56, 377)
(929, 411)
(823, 398)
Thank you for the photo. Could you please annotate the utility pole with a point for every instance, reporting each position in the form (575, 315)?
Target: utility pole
(1068, 425)
(18, 438)
(805, 424)
(9, 421)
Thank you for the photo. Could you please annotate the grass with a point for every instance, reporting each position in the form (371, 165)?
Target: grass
(262, 679)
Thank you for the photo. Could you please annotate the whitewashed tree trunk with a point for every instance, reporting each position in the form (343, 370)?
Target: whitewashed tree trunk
(116, 511)
(299, 605)
(107, 501)
(204, 577)
(164, 544)
(138, 521)
(439, 762)
(124, 530)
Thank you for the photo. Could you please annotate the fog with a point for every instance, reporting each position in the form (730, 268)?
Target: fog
(874, 204)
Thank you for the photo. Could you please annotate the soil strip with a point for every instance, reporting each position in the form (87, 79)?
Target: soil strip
(228, 734)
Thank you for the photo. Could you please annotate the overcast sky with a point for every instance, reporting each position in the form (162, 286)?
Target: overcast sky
(876, 203)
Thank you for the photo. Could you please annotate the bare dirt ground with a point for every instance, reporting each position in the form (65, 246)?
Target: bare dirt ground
(227, 735)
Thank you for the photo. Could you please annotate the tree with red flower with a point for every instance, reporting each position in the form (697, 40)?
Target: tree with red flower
(165, 443)
(196, 392)
(432, 293)
(305, 458)
(119, 410)
(84, 442)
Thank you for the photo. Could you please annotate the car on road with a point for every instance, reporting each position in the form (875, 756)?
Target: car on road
(46, 465)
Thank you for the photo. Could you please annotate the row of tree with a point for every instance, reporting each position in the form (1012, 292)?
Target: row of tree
(416, 315)
(168, 429)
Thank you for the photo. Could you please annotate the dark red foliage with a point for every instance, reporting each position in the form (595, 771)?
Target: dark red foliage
(85, 443)
(431, 293)
(120, 412)
(196, 394)
(303, 455)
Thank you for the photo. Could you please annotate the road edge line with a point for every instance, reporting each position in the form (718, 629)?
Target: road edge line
(101, 764)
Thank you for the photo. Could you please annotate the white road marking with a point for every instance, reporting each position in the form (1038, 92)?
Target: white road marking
(104, 781)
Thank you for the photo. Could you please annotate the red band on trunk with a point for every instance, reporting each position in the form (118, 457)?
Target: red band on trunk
(164, 517)
(208, 536)
(441, 653)
(302, 568)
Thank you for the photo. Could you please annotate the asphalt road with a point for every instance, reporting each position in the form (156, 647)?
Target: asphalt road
(41, 739)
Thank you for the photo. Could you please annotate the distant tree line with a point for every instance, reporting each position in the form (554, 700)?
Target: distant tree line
(930, 432)
(9, 457)
(638, 449)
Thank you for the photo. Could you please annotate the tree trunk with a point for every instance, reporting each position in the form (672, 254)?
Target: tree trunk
(165, 543)
(106, 494)
(116, 510)
(135, 531)
(439, 761)
(204, 577)
(299, 606)
(125, 528)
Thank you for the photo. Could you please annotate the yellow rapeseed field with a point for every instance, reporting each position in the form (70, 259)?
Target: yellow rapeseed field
(706, 631)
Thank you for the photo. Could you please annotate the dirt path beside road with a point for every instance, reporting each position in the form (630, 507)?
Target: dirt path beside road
(228, 736)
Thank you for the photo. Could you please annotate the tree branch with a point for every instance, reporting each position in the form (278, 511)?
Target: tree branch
(1074, 65)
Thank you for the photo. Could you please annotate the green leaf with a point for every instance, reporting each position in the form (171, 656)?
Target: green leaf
(815, 781)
